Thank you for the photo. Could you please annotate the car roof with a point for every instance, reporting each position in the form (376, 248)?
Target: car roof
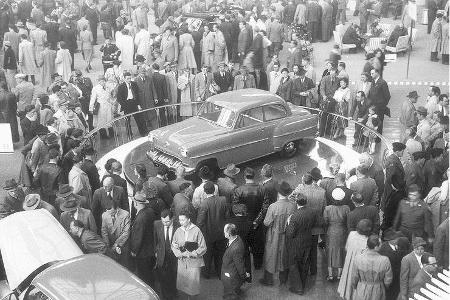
(92, 276)
(245, 99)
(30, 239)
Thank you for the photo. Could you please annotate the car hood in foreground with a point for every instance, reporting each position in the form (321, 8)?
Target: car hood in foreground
(191, 132)
(31, 239)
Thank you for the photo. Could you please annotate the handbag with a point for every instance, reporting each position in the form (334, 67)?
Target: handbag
(96, 108)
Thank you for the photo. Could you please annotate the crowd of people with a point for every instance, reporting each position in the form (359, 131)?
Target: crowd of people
(176, 230)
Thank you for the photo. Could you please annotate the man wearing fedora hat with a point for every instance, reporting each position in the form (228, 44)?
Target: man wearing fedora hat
(276, 216)
(408, 116)
(49, 176)
(34, 201)
(71, 210)
(13, 200)
(65, 191)
(227, 184)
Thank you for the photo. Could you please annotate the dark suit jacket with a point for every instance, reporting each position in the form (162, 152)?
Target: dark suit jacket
(141, 236)
(363, 212)
(359, 110)
(84, 215)
(299, 231)
(212, 213)
(91, 171)
(48, 177)
(284, 90)
(224, 82)
(243, 41)
(91, 242)
(368, 189)
(408, 271)
(128, 106)
(257, 48)
(379, 95)
(163, 191)
(28, 129)
(68, 36)
(101, 202)
(160, 88)
(160, 245)
(440, 245)
(226, 188)
(118, 181)
(299, 87)
(313, 12)
(393, 167)
(395, 259)
(233, 262)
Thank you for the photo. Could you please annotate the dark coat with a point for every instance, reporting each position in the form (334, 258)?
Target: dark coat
(84, 215)
(101, 202)
(368, 189)
(163, 191)
(414, 220)
(160, 245)
(68, 36)
(224, 82)
(359, 110)
(141, 235)
(9, 60)
(379, 96)
(48, 177)
(92, 172)
(118, 181)
(394, 167)
(284, 90)
(243, 41)
(298, 87)
(257, 48)
(91, 242)
(252, 196)
(212, 214)
(440, 245)
(432, 172)
(28, 129)
(226, 188)
(395, 258)
(233, 265)
(128, 105)
(363, 212)
(160, 88)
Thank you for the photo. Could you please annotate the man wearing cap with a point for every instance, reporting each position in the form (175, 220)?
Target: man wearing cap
(13, 200)
(227, 184)
(142, 239)
(34, 201)
(65, 191)
(302, 87)
(49, 176)
(24, 92)
(29, 123)
(71, 210)
(389, 249)
(410, 266)
(408, 116)
(275, 220)
(393, 168)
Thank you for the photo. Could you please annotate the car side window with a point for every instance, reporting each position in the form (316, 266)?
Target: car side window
(274, 112)
(33, 293)
(251, 117)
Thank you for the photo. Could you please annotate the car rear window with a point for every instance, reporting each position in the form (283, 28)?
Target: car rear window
(274, 112)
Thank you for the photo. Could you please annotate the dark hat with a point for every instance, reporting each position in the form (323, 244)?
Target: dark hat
(421, 110)
(315, 174)
(126, 73)
(249, 172)
(140, 198)
(231, 170)
(389, 235)
(10, 184)
(31, 201)
(64, 190)
(70, 204)
(140, 58)
(78, 73)
(418, 241)
(413, 94)
(397, 146)
(284, 189)
(51, 138)
(116, 62)
(204, 173)
(301, 72)
(29, 108)
(41, 129)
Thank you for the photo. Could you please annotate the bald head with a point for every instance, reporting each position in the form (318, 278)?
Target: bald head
(108, 183)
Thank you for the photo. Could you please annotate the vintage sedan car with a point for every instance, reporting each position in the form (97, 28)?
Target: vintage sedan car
(42, 261)
(233, 127)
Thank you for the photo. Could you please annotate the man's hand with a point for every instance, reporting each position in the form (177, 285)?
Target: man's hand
(133, 254)
(199, 99)
(289, 219)
(255, 225)
(156, 101)
(139, 107)
(118, 250)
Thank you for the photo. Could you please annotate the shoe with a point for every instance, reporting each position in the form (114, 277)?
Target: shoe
(265, 283)
(330, 278)
(298, 292)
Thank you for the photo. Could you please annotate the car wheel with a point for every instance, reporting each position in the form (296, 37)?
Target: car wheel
(289, 149)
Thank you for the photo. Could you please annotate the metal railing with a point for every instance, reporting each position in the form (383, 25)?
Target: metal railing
(124, 129)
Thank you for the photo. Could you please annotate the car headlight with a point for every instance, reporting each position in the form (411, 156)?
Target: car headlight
(183, 152)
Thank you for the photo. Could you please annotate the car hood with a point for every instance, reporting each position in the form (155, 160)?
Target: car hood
(188, 133)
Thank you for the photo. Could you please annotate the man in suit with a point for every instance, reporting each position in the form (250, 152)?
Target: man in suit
(166, 262)
(146, 94)
(299, 242)
(374, 171)
(89, 241)
(379, 96)
(268, 186)
(115, 230)
(227, 184)
(243, 41)
(393, 167)
(359, 111)
(106, 197)
(223, 79)
(71, 210)
(244, 80)
(257, 49)
(29, 124)
(425, 274)
(202, 81)
(128, 98)
(48, 177)
(227, 29)
(163, 189)
(233, 273)
(90, 169)
(116, 172)
(213, 212)
(365, 186)
(410, 266)
(275, 35)
(161, 92)
(142, 240)
(362, 211)
(302, 87)
(389, 249)
(69, 36)
(313, 18)
(328, 86)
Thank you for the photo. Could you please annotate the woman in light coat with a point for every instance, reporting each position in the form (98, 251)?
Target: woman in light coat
(186, 58)
(189, 246)
(186, 87)
(436, 37)
(86, 39)
(445, 37)
(342, 97)
(63, 62)
(107, 105)
(126, 47)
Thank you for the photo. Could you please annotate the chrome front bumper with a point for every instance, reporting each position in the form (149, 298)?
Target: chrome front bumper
(171, 162)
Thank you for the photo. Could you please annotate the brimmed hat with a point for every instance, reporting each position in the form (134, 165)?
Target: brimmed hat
(338, 194)
(396, 146)
(140, 58)
(231, 170)
(41, 129)
(421, 110)
(31, 201)
(284, 189)
(418, 241)
(70, 204)
(413, 94)
(20, 75)
(140, 198)
(64, 190)
(389, 235)
(10, 184)
(315, 174)
(19, 24)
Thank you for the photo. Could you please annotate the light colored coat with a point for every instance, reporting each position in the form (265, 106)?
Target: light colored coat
(208, 49)
(63, 63)
(126, 47)
(275, 221)
(117, 233)
(46, 63)
(436, 36)
(445, 37)
(38, 37)
(142, 42)
(201, 87)
(169, 48)
(107, 105)
(300, 14)
(27, 59)
(186, 58)
(79, 180)
(220, 50)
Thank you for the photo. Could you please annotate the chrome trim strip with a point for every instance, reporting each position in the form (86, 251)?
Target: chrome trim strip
(299, 121)
(281, 135)
(228, 148)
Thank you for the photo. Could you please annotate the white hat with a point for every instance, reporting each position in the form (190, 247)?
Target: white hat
(338, 194)
(20, 75)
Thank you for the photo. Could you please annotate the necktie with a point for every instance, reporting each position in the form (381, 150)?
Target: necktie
(109, 195)
(167, 240)
(113, 216)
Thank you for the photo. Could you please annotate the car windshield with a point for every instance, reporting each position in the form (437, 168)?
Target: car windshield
(219, 115)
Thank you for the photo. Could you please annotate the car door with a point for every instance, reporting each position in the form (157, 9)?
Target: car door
(273, 114)
(251, 136)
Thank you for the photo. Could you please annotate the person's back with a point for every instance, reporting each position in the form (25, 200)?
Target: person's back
(212, 216)
(141, 241)
(251, 195)
(360, 213)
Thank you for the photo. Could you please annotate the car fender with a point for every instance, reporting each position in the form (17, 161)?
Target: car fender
(294, 128)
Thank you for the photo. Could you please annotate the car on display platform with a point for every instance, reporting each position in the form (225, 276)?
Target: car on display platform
(42, 261)
(232, 127)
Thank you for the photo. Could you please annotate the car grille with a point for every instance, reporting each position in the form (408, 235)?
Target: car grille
(160, 157)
